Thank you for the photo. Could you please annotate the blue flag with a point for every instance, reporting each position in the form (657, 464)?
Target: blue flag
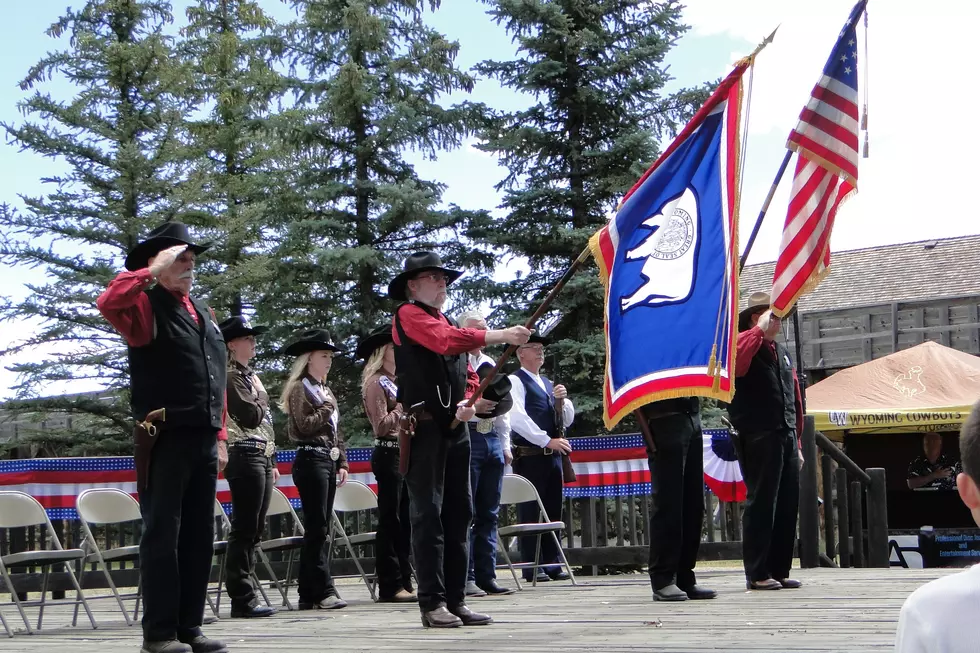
(669, 264)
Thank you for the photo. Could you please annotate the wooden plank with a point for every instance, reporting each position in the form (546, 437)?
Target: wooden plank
(919, 320)
(631, 556)
(866, 343)
(974, 332)
(852, 610)
(944, 321)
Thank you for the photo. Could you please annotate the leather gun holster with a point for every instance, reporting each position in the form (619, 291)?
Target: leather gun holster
(144, 439)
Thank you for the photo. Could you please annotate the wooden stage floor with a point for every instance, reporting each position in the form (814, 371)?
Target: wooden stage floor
(837, 610)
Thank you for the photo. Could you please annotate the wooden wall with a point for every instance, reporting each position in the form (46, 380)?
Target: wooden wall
(833, 340)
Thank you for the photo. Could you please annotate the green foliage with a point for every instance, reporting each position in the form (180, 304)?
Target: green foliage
(118, 140)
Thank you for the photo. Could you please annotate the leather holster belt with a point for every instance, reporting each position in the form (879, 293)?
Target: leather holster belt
(386, 443)
(532, 451)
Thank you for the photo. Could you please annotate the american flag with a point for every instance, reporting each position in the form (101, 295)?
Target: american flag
(826, 143)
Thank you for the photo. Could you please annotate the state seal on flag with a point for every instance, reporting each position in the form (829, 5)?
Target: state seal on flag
(677, 236)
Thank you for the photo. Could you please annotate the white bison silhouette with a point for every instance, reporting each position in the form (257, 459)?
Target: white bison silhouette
(670, 252)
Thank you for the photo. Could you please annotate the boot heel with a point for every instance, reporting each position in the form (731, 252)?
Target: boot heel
(425, 622)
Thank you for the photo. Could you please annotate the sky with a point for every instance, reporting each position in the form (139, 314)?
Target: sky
(914, 185)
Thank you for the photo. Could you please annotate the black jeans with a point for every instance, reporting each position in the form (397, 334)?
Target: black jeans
(771, 469)
(315, 477)
(544, 472)
(677, 475)
(177, 544)
(394, 539)
(442, 509)
(249, 476)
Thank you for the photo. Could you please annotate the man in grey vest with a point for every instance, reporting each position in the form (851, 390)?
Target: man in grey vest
(177, 366)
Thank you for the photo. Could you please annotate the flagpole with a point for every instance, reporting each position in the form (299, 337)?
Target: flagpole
(545, 305)
(763, 210)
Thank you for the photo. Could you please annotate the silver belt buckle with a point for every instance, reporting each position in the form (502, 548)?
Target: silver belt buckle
(484, 425)
(270, 448)
(335, 454)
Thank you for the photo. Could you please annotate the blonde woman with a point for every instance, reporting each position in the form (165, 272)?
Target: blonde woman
(321, 461)
(378, 391)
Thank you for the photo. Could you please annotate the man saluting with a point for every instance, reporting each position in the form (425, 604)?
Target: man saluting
(431, 363)
(177, 362)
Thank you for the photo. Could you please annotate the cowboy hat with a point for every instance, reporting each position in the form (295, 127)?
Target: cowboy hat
(166, 235)
(758, 302)
(498, 390)
(415, 264)
(238, 326)
(535, 338)
(374, 340)
(312, 340)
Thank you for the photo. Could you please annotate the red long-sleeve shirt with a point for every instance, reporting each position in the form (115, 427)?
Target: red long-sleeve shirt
(432, 331)
(746, 347)
(127, 308)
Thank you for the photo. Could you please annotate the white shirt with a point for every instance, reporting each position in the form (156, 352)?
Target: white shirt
(501, 423)
(942, 616)
(519, 419)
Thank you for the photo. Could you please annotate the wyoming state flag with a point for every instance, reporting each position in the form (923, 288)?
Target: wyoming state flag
(669, 264)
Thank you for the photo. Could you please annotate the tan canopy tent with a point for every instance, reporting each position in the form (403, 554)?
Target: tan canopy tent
(928, 387)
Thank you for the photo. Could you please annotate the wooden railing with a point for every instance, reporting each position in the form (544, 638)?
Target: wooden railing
(856, 533)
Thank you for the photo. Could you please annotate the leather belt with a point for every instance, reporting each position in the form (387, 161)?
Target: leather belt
(532, 451)
(424, 416)
(386, 443)
(268, 448)
(313, 447)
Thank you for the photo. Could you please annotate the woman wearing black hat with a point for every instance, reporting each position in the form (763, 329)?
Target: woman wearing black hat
(251, 472)
(321, 462)
(378, 391)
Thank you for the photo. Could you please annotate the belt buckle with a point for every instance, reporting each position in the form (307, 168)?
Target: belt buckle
(270, 448)
(547, 451)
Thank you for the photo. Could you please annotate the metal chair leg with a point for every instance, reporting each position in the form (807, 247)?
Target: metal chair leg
(510, 565)
(81, 596)
(44, 593)
(13, 594)
(564, 560)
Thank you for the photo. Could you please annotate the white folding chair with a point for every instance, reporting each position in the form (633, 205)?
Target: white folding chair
(517, 489)
(354, 496)
(20, 510)
(100, 507)
(279, 505)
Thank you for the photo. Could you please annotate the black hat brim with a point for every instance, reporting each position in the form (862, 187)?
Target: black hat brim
(306, 346)
(535, 338)
(139, 257)
(399, 285)
(239, 332)
(498, 391)
(374, 341)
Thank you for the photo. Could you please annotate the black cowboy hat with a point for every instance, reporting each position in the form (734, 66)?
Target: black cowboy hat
(414, 264)
(369, 343)
(238, 326)
(312, 340)
(166, 235)
(498, 390)
(535, 338)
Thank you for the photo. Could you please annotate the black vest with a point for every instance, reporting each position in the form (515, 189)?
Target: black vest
(540, 407)
(184, 367)
(765, 398)
(425, 376)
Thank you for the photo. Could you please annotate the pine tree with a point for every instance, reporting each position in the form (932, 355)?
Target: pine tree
(118, 139)
(231, 50)
(370, 77)
(594, 74)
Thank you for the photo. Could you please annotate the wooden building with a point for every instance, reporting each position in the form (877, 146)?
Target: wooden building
(879, 300)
